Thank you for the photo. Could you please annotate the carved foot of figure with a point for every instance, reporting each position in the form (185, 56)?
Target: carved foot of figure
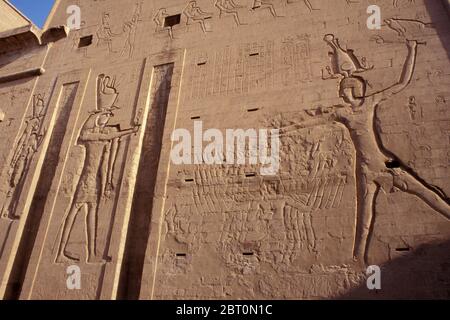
(6, 214)
(312, 249)
(67, 257)
(98, 260)
(358, 263)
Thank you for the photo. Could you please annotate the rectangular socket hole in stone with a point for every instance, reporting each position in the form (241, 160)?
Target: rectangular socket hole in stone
(181, 255)
(202, 63)
(189, 180)
(85, 41)
(195, 118)
(402, 249)
(248, 254)
(171, 21)
(254, 54)
(250, 174)
(253, 110)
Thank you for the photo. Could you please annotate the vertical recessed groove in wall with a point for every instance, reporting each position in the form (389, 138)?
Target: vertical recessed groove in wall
(69, 92)
(139, 226)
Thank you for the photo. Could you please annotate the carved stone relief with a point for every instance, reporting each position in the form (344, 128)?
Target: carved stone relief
(27, 145)
(363, 117)
(194, 14)
(251, 67)
(101, 143)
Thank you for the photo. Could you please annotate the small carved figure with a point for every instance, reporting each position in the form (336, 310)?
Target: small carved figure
(159, 20)
(105, 33)
(193, 12)
(130, 28)
(28, 144)
(229, 7)
(264, 4)
(414, 110)
(441, 104)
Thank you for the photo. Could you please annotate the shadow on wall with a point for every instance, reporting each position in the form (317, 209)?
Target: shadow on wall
(423, 273)
(440, 15)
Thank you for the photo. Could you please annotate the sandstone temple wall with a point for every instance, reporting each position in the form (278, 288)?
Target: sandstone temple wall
(364, 116)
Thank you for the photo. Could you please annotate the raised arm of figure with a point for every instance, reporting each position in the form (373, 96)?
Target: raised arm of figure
(406, 76)
(318, 121)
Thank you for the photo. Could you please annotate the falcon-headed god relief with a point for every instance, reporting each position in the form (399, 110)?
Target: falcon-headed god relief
(376, 168)
(101, 144)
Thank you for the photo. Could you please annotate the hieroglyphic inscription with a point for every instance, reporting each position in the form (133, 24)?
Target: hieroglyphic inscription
(248, 68)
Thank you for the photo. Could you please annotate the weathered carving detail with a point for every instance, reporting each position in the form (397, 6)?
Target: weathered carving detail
(401, 26)
(126, 36)
(130, 29)
(264, 4)
(251, 67)
(195, 14)
(159, 20)
(396, 2)
(105, 33)
(307, 3)
(229, 7)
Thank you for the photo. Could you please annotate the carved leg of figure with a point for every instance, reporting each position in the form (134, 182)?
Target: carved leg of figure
(126, 47)
(309, 5)
(295, 227)
(110, 48)
(366, 200)
(271, 8)
(236, 18)
(407, 183)
(203, 25)
(92, 234)
(112, 162)
(18, 171)
(310, 231)
(63, 254)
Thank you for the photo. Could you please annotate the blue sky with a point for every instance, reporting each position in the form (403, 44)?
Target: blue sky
(36, 10)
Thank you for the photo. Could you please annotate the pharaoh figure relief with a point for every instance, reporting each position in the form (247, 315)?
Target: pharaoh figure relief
(29, 142)
(376, 168)
(101, 143)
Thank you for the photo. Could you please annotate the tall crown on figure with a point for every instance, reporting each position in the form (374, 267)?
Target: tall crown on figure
(106, 93)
